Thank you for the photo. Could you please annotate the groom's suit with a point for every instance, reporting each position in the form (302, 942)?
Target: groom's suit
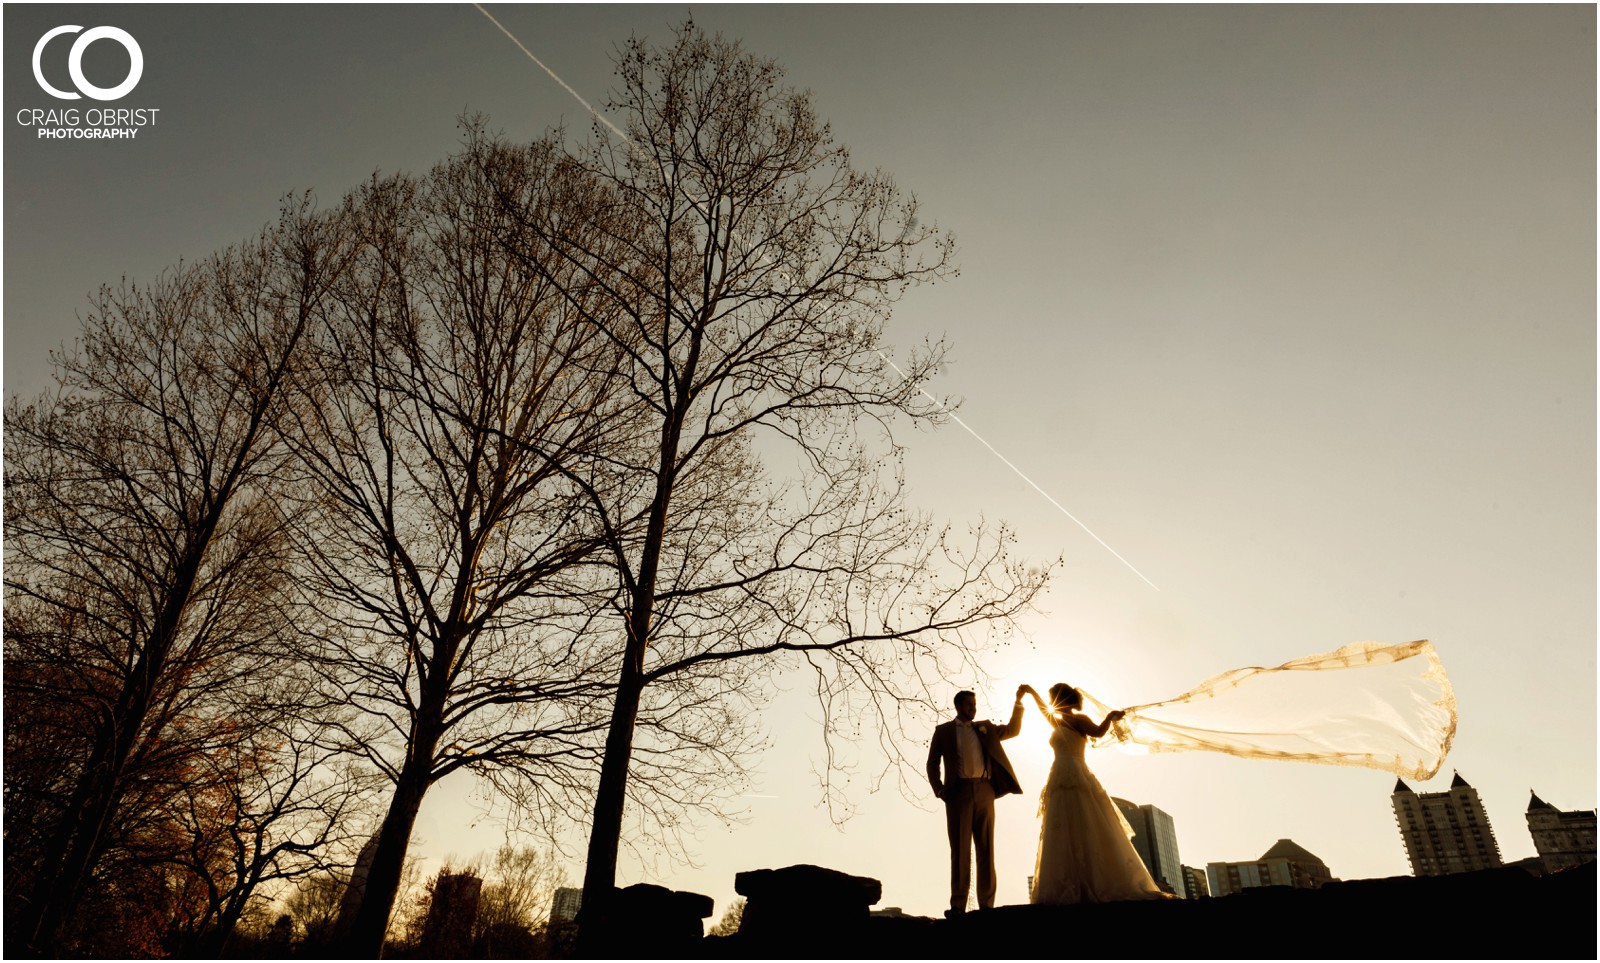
(969, 802)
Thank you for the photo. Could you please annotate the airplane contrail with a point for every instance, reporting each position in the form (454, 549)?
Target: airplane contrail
(553, 76)
(1022, 475)
(956, 418)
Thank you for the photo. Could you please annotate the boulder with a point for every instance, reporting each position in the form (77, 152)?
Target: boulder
(670, 911)
(800, 901)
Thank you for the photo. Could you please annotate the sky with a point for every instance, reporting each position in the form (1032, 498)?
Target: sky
(1293, 306)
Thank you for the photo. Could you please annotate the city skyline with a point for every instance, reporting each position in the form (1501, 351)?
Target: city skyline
(1294, 307)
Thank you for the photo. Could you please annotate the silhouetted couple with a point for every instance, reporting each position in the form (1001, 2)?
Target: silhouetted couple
(1085, 852)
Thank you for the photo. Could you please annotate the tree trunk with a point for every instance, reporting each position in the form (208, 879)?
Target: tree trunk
(78, 845)
(56, 891)
(228, 914)
(600, 869)
(600, 872)
(366, 935)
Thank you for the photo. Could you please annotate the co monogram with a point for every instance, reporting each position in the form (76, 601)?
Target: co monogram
(75, 63)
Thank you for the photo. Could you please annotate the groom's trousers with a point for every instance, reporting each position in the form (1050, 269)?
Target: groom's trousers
(969, 814)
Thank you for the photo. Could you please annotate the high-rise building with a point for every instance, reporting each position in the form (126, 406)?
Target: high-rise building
(1564, 839)
(1445, 832)
(1156, 840)
(447, 932)
(350, 902)
(565, 904)
(1194, 883)
(1287, 863)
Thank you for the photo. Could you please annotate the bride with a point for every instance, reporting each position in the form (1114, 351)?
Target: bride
(1085, 853)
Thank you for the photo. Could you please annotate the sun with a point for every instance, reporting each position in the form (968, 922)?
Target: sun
(1030, 752)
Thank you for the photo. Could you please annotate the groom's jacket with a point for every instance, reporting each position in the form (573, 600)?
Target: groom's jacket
(989, 735)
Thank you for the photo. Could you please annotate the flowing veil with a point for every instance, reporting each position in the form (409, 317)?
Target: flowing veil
(1387, 707)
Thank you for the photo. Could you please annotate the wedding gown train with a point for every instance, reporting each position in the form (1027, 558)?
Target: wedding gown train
(1085, 850)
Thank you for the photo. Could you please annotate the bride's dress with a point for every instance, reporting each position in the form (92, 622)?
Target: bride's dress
(1085, 852)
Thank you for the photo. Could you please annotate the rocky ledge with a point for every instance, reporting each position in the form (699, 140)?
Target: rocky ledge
(1504, 913)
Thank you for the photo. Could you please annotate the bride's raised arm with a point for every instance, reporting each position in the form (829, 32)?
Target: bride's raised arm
(1093, 731)
(1038, 700)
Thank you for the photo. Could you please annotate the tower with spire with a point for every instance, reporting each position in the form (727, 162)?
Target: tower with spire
(1564, 839)
(1445, 832)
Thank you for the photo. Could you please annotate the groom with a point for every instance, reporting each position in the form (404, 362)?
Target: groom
(975, 771)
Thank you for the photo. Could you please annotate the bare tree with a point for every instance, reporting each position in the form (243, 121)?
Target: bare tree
(732, 918)
(273, 808)
(145, 564)
(519, 883)
(314, 906)
(452, 560)
(749, 270)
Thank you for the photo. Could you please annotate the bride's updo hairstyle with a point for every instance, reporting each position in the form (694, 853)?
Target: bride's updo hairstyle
(1064, 697)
